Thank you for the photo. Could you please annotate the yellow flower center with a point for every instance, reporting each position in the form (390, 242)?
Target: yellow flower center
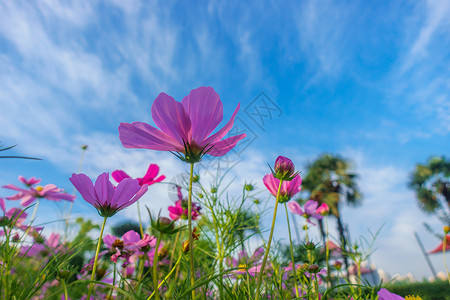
(413, 298)
(39, 188)
(242, 267)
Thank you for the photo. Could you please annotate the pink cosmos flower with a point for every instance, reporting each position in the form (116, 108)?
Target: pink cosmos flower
(29, 182)
(288, 188)
(310, 210)
(104, 197)
(130, 244)
(51, 245)
(185, 127)
(149, 177)
(323, 209)
(28, 196)
(246, 264)
(384, 294)
(180, 210)
(15, 218)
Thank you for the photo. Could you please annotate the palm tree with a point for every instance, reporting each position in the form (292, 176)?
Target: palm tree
(329, 180)
(431, 182)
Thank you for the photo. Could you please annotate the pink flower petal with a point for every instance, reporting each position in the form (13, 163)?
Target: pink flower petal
(205, 110)
(109, 240)
(295, 208)
(143, 135)
(104, 189)
(224, 130)
(119, 175)
(170, 117)
(2, 204)
(222, 147)
(85, 187)
(271, 184)
(126, 189)
(131, 237)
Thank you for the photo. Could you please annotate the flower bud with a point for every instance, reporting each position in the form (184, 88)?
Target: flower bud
(196, 178)
(256, 201)
(200, 196)
(313, 268)
(16, 238)
(185, 247)
(213, 190)
(249, 187)
(163, 252)
(338, 265)
(310, 246)
(323, 209)
(284, 168)
(446, 229)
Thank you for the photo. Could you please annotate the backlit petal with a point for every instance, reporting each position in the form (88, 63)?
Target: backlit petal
(145, 136)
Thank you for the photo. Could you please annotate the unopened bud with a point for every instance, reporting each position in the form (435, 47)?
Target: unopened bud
(196, 178)
(338, 265)
(313, 268)
(310, 246)
(163, 252)
(249, 187)
(446, 229)
(256, 201)
(213, 190)
(16, 238)
(200, 196)
(284, 168)
(185, 247)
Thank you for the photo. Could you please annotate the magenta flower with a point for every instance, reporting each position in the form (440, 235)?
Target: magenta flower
(131, 243)
(15, 218)
(284, 169)
(246, 264)
(28, 196)
(323, 209)
(288, 188)
(384, 294)
(149, 177)
(104, 197)
(180, 210)
(29, 182)
(184, 127)
(50, 245)
(310, 210)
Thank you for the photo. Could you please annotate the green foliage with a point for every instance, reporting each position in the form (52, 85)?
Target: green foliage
(437, 290)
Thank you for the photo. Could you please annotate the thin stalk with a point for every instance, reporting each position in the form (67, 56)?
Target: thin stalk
(308, 252)
(191, 241)
(63, 282)
(33, 215)
(260, 275)
(165, 278)
(292, 252)
(140, 220)
(155, 267)
(444, 249)
(327, 247)
(174, 248)
(94, 268)
(114, 282)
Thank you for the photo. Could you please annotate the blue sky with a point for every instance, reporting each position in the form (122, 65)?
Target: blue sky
(368, 81)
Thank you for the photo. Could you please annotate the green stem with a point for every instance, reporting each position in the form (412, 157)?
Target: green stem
(155, 267)
(174, 248)
(327, 247)
(63, 282)
(94, 268)
(191, 241)
(308, 252)
(114, 282)
(165, 278)
(261, 271)
(292, 252)
(33, 215)
(140, 220)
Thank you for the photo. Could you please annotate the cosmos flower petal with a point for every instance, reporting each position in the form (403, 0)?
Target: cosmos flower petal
(13, 187)
(131, 237)
(295, 208)
(104, 189)
(384, 294)
(222, 147)
(27, 200)
(139, 194)
(126, 189)
(59, 196)
(2, 204)
(109, 240)
(85, 187)
(145, 136)
(223, 131)
(119, 175)
(310, 207)
(170, 117)
(205, 110)
(271, 184)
